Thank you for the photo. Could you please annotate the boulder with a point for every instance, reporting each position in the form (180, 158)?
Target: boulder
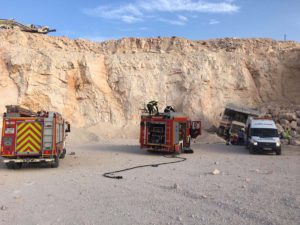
(294, 134)
(288, 116)
(293, 125)
(279, 128)
(298, 114)
(284, 123)
(274, 111)
(295, 142)
(284, 141)
(298, 122)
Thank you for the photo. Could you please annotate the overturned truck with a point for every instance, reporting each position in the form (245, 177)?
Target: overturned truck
(234, 118)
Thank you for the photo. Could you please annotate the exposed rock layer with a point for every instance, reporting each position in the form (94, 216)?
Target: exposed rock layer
(109, 82)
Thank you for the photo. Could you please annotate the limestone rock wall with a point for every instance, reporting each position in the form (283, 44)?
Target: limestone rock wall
(92, 83)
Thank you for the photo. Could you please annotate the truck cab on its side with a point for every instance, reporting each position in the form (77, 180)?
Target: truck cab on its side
(262, 135)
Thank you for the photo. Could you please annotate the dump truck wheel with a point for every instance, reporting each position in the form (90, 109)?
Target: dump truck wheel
(55, 164)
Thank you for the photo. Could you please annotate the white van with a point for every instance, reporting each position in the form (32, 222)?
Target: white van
(262, 135)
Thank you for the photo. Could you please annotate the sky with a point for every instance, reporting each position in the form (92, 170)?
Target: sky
(100, 20)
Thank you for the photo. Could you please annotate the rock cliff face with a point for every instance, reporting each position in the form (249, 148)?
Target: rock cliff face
(92, 83)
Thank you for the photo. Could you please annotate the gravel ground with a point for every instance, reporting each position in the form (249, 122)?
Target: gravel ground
(250, 189)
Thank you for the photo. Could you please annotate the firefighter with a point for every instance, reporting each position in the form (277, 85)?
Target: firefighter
(169, 109)
(152, 107)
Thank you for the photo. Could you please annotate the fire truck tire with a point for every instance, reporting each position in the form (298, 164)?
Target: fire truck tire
(55, 164)
(63, 154)
(13, 165)
(10, 165)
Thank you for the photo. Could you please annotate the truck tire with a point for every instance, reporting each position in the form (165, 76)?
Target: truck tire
(9, 165)
(63, 154)
(13, 165)
(221, 131)
(17, 165)
(55, 164)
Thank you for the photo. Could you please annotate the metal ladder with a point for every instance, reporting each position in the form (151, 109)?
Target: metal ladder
(48, 133)
(168, 134)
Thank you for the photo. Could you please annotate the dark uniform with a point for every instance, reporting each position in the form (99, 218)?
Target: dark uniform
(169, 109)
(152, 107)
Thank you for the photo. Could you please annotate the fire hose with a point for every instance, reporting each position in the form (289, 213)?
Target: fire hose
(113, 176)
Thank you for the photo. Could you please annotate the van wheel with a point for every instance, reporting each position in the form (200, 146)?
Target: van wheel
(55, 164)
(278, 152)
(251, 150)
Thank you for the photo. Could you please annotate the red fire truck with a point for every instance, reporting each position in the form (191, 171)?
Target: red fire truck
(168, 132)
(32, 137)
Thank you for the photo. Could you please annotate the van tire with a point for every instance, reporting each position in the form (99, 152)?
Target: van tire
(278, 152)
(251, 150)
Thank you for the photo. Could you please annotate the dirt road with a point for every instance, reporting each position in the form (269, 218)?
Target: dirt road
(250, 189)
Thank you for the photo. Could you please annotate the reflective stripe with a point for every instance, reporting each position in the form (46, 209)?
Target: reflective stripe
(29, 137)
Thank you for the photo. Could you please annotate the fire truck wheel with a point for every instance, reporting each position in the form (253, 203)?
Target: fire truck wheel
(55, 164)
(14, 165)
(9, 165)
(63, 154)
(17, 165)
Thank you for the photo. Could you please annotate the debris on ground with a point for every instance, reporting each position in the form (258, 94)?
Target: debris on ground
(216, 172)
(3, 207)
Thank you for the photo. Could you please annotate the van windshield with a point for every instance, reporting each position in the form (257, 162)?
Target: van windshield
(264, 132)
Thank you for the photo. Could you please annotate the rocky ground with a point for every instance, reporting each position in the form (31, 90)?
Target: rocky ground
(287, 121)
(249, 189)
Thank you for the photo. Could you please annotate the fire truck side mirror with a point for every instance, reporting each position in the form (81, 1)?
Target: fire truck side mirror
(68, 128)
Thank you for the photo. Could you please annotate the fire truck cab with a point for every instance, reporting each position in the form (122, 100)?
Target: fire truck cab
(168, 132)
(32, 137)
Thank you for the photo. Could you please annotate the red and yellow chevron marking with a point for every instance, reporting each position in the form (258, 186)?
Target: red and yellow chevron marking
(29, 137)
